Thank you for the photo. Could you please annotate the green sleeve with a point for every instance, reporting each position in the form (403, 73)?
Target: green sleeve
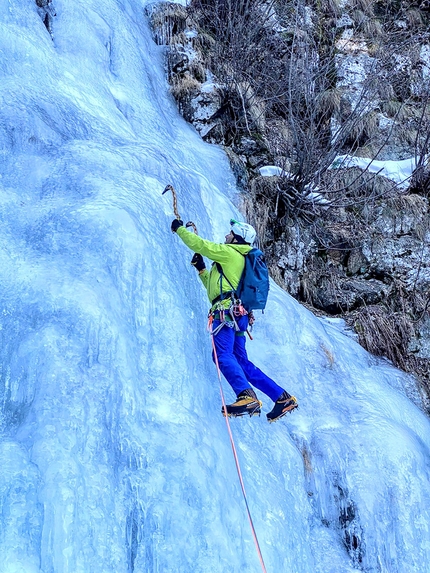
(214, 251)
(204, 277)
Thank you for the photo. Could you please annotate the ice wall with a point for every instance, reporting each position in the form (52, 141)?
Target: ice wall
(114, 456)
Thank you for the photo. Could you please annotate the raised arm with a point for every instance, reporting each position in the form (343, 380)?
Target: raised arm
(217, 252)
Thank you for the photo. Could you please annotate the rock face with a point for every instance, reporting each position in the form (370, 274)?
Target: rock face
(47, 13)
(197, 94)
(382, 280)
(347, 242)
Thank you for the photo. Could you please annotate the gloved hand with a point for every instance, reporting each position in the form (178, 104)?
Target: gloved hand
(198, 262)
(176, 223)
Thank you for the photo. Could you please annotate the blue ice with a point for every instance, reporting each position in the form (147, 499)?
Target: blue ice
(114, 456)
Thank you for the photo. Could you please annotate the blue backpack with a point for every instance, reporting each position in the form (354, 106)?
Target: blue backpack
(253, 287)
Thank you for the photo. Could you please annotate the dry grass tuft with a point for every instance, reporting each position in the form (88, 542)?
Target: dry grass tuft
(197, 70)
(365, 6)
(260, 213)
(185, 87)
(372, 28)
(167, 21)
(329, 101)
(391, 107)
(204, 42)
(357, 185)
(414, 18)
(365, 128)
(331, 7)
(168, 11)
(179, 39)
(412, 205)
(389, 334)
(384, 333)
(359, 17)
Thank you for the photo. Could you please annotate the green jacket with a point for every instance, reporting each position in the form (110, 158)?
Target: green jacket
(231, 257)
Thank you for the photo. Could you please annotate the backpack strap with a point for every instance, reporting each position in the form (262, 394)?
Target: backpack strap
(221, 272)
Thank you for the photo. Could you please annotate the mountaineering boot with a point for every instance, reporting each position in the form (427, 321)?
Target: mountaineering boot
(284, 404)
(246, 403)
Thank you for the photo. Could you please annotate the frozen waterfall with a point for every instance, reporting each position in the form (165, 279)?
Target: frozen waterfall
(114, 456)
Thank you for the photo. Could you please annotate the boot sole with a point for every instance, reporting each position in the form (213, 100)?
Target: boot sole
(287, 411)
(251, 412)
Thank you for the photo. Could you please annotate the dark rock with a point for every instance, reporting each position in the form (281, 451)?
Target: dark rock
(403, 257)
(403, 216)
(346, 294)
(47, 13)
(238, 167)
(256, 160)
(167, 20)
(357, 263)
(177, 60)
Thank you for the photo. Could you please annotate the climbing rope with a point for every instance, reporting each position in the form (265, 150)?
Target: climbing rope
(233, 446)
(236, 458)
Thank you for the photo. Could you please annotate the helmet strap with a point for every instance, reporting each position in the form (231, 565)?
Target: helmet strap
(238, 239)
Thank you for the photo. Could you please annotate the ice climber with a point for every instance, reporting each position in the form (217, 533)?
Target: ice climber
(230, 319)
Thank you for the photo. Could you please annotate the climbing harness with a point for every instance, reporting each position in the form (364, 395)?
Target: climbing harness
(226, 316)
(236, 458)
(237, 309)
(220, 314)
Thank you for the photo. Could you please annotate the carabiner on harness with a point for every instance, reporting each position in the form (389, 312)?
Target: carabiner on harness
(224, 317)
(237, 309)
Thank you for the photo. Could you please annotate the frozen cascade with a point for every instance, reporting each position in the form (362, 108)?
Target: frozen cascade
(114, 456)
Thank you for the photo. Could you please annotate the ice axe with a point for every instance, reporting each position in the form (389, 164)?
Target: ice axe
(175, 207)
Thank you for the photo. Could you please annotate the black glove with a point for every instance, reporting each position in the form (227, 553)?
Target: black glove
(176, 223)
(198, 262)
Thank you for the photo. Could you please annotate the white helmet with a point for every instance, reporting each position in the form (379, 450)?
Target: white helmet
(244, 230)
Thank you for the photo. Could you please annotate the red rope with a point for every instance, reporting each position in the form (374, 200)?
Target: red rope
(236, 459)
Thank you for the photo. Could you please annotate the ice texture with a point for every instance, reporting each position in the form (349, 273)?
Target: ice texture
(114, 456)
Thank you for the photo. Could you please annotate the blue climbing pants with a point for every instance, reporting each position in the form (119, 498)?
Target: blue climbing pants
(233, 360)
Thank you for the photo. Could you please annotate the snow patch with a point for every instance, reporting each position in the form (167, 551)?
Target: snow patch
(398, 171)
(271, 171)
